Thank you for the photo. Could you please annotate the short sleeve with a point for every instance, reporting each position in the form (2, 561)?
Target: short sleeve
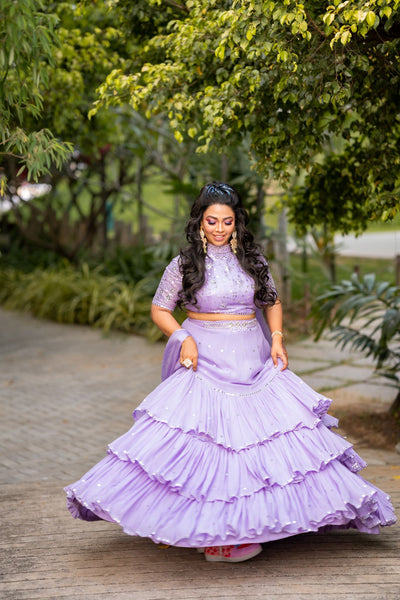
(167, 294)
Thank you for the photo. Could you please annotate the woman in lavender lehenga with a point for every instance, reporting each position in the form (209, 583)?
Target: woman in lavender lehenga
(231, 449)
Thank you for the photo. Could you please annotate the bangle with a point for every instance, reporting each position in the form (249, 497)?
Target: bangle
(277, 333)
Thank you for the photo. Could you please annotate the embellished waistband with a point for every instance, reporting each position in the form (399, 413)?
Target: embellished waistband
(231, 325)
(220, 316)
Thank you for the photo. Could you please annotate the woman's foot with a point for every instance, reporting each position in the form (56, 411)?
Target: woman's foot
(232, 553)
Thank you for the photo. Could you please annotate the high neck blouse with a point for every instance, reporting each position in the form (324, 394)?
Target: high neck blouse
(227, 287)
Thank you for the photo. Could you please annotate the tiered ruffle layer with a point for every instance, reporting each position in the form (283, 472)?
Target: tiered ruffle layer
(213, 463)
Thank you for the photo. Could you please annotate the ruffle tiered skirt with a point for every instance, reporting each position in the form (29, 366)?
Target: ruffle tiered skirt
(236, 452)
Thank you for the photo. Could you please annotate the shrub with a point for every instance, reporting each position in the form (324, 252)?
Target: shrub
(81, 295)
(364, 313)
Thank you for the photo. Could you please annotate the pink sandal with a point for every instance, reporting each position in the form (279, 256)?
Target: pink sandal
(232, 553)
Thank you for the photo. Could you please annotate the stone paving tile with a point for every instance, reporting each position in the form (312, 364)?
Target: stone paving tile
(348, 373)
(65, 392)
(381, 393)
(54, 386)
(323, 383)
(322, 351)
(363, 361)
(301, 365)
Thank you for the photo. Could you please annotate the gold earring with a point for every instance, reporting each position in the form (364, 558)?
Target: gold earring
(233, 242)
(203, 240)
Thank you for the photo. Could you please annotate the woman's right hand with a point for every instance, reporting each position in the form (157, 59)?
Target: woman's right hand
(189, 351)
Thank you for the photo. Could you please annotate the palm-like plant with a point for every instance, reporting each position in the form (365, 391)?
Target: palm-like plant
(364, 313)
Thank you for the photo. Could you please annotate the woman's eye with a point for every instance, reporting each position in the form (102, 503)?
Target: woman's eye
(211, 222)
(228, 224)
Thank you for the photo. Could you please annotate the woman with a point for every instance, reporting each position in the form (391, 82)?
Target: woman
(231, 449)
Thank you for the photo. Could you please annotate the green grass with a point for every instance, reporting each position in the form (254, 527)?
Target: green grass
(318, 279)
(162, 211)
(155, 192)
(393, 225)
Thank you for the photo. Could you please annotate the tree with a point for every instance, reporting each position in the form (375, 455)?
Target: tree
(336, 195)
(27, 44)
(114, 151)
(296, 78)
(89, 45)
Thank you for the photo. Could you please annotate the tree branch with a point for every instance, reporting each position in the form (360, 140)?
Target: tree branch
(177, 5)
(315, 26)
(11, 154)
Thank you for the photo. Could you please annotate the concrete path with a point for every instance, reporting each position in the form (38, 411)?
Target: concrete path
(65, 391)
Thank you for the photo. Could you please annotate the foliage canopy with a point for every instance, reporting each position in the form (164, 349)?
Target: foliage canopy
(299, 79)
(27, 44)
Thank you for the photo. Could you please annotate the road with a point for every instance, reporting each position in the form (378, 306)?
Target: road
(370, 245)
(367, 245)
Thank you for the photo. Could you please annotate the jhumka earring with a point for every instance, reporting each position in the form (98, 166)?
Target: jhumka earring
(204, 240)
(233, 242)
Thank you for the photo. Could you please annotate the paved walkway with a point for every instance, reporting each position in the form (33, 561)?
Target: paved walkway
(65, 391)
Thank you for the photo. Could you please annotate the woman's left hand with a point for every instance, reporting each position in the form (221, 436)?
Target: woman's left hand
(278, 350)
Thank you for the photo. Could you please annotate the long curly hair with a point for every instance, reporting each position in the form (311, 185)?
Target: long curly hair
(249, 255)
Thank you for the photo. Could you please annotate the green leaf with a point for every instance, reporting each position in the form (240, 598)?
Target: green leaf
(386, 11)
(371, 17)
(220, 52)
(178, 136)
(345, 37)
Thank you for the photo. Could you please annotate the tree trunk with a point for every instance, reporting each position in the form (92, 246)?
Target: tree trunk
(394, 409)
(283, 259)
(139, 198)
(332, 266)
(304, 256)
(329, 253)
(260, 203)
(224, 168)
(104, 198)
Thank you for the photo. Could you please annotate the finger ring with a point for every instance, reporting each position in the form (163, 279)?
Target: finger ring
(187, 363)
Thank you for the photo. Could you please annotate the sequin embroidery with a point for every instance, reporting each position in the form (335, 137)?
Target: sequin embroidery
(227, 288)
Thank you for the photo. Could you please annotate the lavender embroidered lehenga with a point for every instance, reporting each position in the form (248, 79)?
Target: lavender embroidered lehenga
(236, 452)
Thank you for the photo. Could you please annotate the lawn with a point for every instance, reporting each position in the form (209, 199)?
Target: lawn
(317, 278)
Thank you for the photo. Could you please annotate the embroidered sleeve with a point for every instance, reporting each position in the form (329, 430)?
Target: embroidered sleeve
(169, 287)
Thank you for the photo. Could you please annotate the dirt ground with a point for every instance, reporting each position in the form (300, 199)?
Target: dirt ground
(378, 429)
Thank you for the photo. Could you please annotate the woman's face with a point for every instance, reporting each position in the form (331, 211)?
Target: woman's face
(218, 223)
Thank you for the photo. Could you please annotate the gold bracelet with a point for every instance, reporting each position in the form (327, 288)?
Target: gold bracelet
(277, 333)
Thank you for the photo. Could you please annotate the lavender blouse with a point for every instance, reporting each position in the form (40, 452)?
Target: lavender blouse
(227, 287)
